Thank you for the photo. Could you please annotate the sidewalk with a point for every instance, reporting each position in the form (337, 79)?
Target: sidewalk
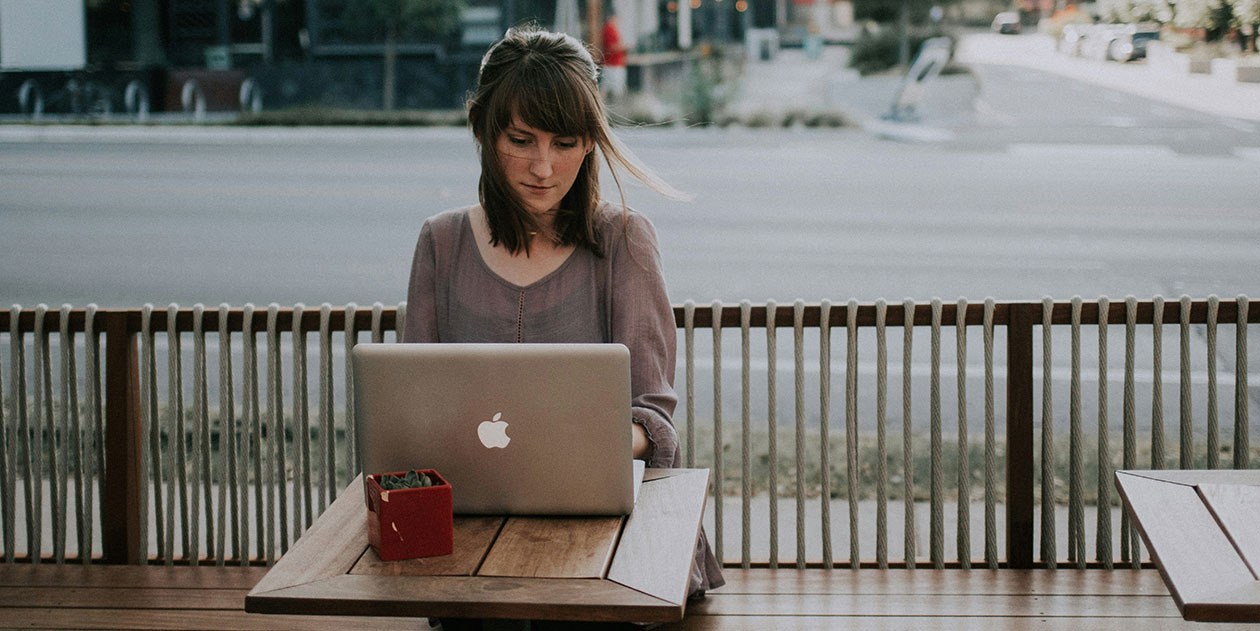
(792, 81)
(1203, 93)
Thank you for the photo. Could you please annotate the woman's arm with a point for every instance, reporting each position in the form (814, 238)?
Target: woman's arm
(643, 320)
(421, 323)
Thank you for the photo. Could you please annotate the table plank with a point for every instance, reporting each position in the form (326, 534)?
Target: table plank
(658, 544)
(1237, 508)
(1192, 552)
(473, 537)
(1192, 477)
(553, 547)
(471, 597)
(330, 547)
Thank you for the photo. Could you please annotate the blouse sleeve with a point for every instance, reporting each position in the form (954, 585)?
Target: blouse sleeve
(421, 318)
(643, 320)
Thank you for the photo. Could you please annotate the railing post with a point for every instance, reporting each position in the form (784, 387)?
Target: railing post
(1019, 436)
(121, 512)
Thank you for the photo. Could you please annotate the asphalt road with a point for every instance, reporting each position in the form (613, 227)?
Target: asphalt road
(1048, 188)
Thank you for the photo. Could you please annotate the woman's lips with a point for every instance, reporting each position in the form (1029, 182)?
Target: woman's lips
(537, 189)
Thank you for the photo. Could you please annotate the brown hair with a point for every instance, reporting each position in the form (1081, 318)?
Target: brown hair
(548, 81)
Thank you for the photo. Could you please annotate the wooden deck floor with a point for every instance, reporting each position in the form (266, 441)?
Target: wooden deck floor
(131, 597)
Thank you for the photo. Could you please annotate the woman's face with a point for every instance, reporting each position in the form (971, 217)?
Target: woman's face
(540, 166)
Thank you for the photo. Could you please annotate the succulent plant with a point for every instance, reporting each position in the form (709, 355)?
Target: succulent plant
(412, 480)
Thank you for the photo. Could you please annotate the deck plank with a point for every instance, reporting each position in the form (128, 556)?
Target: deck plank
(177, 577)
(102, 618)
(158, 597)
(1123, 582)
(696, 622)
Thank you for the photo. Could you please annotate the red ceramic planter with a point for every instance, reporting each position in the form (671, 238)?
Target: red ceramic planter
(410, 523)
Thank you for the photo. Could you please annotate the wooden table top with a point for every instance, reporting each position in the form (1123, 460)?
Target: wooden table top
(1201, 529)
(632, 568)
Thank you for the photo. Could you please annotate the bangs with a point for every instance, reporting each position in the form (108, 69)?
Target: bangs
(543, 96)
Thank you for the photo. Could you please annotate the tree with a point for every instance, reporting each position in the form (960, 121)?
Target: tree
(1247, 14)
(398, 19)
(1126, 11)
(1212, 16)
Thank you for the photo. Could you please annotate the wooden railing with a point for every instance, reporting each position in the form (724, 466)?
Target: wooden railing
(114, 429)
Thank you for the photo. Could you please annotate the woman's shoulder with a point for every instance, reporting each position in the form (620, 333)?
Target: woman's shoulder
(446, 225)
(624, 231)
(616, 222)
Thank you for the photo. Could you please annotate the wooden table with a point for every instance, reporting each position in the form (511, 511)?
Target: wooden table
(1203, 530)
(633, 568)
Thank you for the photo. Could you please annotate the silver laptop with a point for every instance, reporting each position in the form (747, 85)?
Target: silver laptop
(521, 429)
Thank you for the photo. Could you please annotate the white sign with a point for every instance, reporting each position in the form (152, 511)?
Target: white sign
(42, 35)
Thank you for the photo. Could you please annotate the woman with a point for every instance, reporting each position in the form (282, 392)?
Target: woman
(543, 258)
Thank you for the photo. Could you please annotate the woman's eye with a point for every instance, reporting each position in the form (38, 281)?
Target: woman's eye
(566, 144)
(518, 141)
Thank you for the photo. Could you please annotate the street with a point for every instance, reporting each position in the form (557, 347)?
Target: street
(1049, 187)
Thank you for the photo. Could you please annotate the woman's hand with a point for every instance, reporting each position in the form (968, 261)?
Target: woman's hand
(642, 448)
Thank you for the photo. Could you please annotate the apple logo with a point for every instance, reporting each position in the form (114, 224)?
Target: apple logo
(493, 433)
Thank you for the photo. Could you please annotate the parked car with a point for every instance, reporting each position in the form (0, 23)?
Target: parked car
(1073, 35)
(1130, 42)
(1007, 23)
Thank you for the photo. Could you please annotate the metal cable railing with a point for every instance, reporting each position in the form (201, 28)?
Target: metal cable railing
(228, 457)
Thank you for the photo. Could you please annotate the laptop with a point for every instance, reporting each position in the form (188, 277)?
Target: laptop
(517, 429)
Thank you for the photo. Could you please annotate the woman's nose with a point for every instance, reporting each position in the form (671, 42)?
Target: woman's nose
(540, 166)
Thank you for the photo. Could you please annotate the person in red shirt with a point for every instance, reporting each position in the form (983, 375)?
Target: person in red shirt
(613, 81)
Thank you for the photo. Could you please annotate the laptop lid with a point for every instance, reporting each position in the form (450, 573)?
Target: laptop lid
(522, 429)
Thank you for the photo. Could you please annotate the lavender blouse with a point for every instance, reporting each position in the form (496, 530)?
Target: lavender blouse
(453, 296)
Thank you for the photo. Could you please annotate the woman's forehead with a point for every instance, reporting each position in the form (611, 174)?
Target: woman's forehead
(517, 124)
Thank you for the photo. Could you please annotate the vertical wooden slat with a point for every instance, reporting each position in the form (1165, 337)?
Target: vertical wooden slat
(25, 441)
(41, 426)
(327, 439)
(1186, 460)
(772, 423)
(1213, 439)
(745, 373)
(1048, 504)
(200, 435)
(964, 465)
(176, 452)
(907, 427)
(121, 512)
(253, 429)
(881, 433)
(1242, 400)
(1129, 546)
(1102, 529)
(851, 428)
(824, 427)
(229, 498)
(303, 514)
(990, 442)
(1157, 383)
(67, 422)
(1019, 437)
(689, 354)
(718, 470)
(936, 518)
(798, 373)
(8, 471)
(277, 497)
(96, 409)
(354, 460)
(1076, 494)
(150, 422)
